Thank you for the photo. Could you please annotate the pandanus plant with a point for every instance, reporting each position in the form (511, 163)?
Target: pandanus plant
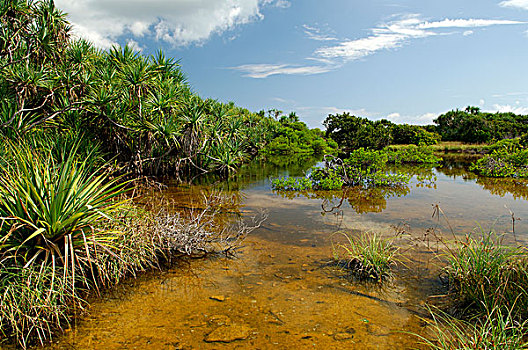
(50, 211)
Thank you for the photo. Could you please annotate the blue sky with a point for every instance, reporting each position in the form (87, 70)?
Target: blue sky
(407, 60)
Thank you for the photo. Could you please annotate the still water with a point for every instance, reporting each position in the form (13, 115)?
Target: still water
(281, 291)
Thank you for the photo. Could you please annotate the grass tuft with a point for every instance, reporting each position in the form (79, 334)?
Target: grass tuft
(484, 274)
(369, 256)
(497, 330)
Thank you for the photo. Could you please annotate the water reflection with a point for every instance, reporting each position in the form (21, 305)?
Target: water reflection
(518, 188)
(361, 200)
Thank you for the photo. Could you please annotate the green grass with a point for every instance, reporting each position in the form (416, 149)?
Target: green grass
(485, 274)
(368, 256)
(456, 146)
(487, 283)
(495, 331)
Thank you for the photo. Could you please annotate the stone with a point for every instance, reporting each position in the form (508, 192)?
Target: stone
(343, 336)
(219, 320)
(217, 297)
(228, 333)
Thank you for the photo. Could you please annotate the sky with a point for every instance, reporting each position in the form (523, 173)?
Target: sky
(407, 61)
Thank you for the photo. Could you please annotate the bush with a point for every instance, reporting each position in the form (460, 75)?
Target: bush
(412, 155)
(508, 158)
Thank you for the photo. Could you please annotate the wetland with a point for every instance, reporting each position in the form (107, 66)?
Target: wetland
(281, 289)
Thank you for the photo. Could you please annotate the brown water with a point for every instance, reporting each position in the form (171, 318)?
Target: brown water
(280, 292)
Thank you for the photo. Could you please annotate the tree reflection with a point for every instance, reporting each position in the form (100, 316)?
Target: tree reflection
(518, 188)
(361, 200)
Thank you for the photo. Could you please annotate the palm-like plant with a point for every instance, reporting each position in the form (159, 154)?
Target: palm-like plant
(49, 211)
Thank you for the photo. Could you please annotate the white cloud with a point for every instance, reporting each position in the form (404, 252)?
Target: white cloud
(393, 116)
(521, 4)
(134, 45)
(482, 102)
(266, 70)
(423, 119)
(281, 3)
(465, 23)
(318, 34)
(179, 22)
(386, 36)
(395, 34)
(509, 108)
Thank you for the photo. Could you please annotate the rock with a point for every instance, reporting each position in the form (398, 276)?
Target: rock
(350, 330)
(219, 320)
(217, 297)
(343, 336)
(228, 333)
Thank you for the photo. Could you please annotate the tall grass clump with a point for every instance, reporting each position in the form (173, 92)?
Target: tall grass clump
(485, 274)
(368, 256)
(498, 330)
(487, 283)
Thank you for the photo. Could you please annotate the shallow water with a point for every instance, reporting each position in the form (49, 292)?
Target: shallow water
(280, 291)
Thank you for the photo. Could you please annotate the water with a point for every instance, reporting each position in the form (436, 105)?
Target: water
(281, 290)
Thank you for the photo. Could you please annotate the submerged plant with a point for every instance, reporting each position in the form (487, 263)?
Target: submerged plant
(369, 256)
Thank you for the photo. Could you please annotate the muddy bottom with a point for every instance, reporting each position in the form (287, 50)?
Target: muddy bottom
(271, 296)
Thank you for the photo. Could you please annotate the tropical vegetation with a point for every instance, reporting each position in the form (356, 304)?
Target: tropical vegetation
(471, 125)
(292, 136)
(507, 158)
(351, 132)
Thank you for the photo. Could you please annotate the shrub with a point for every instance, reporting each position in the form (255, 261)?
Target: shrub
(508, 158)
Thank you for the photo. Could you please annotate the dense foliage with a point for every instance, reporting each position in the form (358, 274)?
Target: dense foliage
(139, 109)
(364, 168)
(293, 137)
(472, 125)
(351, 132)
(411, 154)
(508, 158)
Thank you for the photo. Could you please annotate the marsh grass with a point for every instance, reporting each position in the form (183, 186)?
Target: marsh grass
(369, 256)
(497, 330)
(456, 146)
(485, 274)
(487, 282)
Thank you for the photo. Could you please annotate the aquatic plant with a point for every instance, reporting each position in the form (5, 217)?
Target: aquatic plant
(368, 256)
(484, 274)
(497, 330)
(287, 183)
(412, 154)
(326, 179)
(365, 168)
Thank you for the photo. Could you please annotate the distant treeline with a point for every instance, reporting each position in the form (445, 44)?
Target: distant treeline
(351, 132)
(470, 126)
